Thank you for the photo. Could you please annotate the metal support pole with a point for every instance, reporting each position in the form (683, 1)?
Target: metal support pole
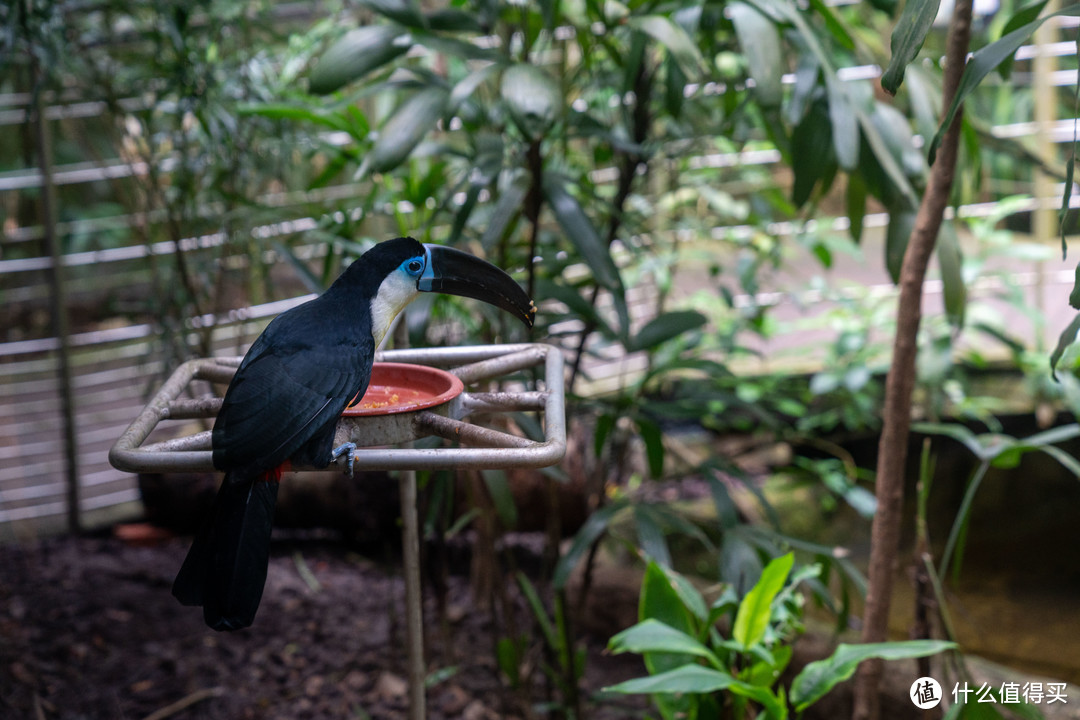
(410, 554)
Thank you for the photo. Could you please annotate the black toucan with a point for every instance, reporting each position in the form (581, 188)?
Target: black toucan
(283, 404)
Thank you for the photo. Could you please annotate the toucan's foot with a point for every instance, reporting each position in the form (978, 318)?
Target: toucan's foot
(349, 451)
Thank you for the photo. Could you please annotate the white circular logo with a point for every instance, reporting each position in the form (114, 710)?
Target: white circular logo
(925, 693)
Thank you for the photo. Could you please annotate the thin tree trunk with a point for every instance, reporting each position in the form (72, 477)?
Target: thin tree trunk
(892, 451)
(58, 296)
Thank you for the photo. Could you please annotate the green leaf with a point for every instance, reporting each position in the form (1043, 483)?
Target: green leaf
(575, 302)
(287, 111)
(404, 130)
(686, 679)
(665, 327)
(982, 62)
(653, 636)
(821, 676)
(833, 23)
(845, 126)
(356, 54)
(1021, 17)
(653, 438)
(1067, 338)
(507, 208)
(908, 35)
(856, 205)
(579, 229)
(897, 235)
(590, 532)
(533, 98)
(811, 151)
(755, 610)
(401, 11)
(760, 42)
(498, 487)
(468, 85)
(675, 39)
(538, 610)
(651, 536)
(951, 262)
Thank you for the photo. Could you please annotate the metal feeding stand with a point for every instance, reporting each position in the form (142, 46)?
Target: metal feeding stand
(401, 405)
(395, 423)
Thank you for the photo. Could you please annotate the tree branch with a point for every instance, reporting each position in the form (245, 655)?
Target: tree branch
(892, 450)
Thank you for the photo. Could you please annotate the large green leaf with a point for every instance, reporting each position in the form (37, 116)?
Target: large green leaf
(404, 130)
(811, 151)
(983, 62)
(693, 679)
(357, 53)
(686, 679)
(665, 327)
(821, 676)
(755, 610)
(915, 22)
(675, 39)
(653, 636)
(533, 98)
(760, 42)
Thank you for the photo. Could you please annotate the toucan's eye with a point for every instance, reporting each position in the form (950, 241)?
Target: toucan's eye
(415, 266)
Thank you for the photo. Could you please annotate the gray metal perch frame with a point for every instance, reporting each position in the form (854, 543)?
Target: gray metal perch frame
(488, 448)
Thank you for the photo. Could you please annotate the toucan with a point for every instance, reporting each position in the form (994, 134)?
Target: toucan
(283, 404)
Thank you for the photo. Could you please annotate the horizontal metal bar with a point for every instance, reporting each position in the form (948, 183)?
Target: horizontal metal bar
(484, 402)
(463, 432)
(498, 366)
(189, 409)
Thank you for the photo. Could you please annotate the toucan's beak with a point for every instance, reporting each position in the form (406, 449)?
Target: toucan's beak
(458, 273)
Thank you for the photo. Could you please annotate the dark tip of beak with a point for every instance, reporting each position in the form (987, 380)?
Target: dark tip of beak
(458, 273)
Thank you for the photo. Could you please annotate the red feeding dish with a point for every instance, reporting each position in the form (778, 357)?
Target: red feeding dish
(403, 387)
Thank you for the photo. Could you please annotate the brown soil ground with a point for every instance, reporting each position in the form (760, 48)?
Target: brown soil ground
(89, 629)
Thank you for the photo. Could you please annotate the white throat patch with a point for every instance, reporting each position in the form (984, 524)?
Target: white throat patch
(396, 291)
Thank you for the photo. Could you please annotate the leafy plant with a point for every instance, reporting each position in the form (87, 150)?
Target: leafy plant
(694, 670)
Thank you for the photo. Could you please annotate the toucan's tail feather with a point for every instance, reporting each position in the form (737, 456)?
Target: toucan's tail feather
(225, 569)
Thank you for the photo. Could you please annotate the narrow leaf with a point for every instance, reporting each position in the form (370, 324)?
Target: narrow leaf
(982, 62)
(760, 42)
(579, 229)
(951, 263)
(590, 532)
(897, 235)
(915, 22)
(666, 327)
(756, 608)
(675, 39)
(821, 676)
(1067, 338)
(1020, 18)
(357, 53)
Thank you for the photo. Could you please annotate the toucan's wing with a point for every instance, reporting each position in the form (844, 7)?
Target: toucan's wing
(292, 385)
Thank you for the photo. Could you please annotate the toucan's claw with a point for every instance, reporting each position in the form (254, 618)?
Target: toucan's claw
(349, 451)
